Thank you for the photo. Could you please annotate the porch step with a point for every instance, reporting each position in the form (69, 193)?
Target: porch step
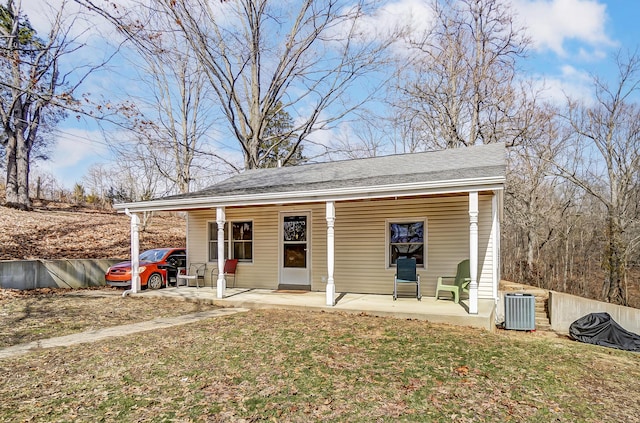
(302, 288)
(543, 326)
(542, 314)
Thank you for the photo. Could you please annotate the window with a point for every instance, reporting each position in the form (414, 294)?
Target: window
(239, 242)
(406, 239)
(213, 241)
(242, 240)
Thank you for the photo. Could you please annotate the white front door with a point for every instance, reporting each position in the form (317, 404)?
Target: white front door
(294, 249)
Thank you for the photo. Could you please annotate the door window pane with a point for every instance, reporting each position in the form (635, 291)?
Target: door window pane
(295, 255)
(295, 228)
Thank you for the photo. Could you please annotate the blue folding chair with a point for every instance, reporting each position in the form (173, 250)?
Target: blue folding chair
(406, 273)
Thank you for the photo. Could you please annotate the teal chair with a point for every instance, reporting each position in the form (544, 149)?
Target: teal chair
(406, 273)
(455, 284)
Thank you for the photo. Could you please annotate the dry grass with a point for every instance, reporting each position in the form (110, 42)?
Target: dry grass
(58, 231)
(32, 315)
(310, 366)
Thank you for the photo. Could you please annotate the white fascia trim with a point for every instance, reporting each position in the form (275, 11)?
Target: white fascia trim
(336, 194)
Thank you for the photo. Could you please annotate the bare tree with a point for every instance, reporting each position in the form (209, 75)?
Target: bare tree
(602, 157)
(530, 198)
(99, 181)
(33, 91)
(365, 137)
(29, 67)
(132, 179)
(459, 87)
(260, 54)
(169, 113)
(261, 57)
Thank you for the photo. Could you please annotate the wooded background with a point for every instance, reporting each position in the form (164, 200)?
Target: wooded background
(224, 86)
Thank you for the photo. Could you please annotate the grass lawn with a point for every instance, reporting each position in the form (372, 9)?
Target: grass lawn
(268, 365)
(31, 315)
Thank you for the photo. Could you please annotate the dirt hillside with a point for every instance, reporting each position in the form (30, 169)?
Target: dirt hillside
(59, 231)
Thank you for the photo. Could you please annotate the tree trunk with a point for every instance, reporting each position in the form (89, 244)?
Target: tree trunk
(22, 165)
(614, 262)
(532, 276)
(11, 191)
(565, 275)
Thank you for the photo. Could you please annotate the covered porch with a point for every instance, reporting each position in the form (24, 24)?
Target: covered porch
(429, 309)
(339, 227)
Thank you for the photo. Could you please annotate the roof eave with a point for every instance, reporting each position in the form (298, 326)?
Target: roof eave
(334, 194)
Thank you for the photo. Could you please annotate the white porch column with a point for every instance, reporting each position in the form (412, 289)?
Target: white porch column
(473, 252)
(135, 251)
(331, 219)
(222, 283)
(495, 236)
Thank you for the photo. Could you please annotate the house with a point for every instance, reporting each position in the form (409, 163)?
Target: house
(340, 226)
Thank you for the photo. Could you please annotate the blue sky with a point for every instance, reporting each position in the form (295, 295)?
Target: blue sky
(574, 39)
(571, 40)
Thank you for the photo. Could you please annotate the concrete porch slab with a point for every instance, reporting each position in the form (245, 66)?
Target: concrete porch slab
(429, 309)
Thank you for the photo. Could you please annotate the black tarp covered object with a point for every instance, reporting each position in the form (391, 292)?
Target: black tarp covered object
(601, 329)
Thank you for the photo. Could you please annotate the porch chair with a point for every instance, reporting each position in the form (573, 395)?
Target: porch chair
(196, 272)
(230, 267)
(406, 273)
(460, 282)
(175, 266)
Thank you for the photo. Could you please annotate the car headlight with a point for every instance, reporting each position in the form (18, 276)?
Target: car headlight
(141, 269)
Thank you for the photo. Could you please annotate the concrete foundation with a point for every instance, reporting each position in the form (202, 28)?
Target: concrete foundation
(32, 274)
(565, 309)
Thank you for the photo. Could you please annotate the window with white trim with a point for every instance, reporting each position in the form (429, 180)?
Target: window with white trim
(242, 240)
(407, 238)
(238, 243)
(213, 241)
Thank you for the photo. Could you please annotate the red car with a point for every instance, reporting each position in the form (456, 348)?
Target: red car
(157, 267)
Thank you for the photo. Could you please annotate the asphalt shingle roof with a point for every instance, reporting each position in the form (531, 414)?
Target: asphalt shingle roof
(484, 161)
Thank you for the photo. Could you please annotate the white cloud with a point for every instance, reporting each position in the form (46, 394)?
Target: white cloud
(83, 25)
(74, 152)
(414, 16)
(403, 17)
(554, 23)
(41, 13)
(569, 82)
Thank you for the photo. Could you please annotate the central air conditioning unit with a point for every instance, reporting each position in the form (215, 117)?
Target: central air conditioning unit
(519, 311)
